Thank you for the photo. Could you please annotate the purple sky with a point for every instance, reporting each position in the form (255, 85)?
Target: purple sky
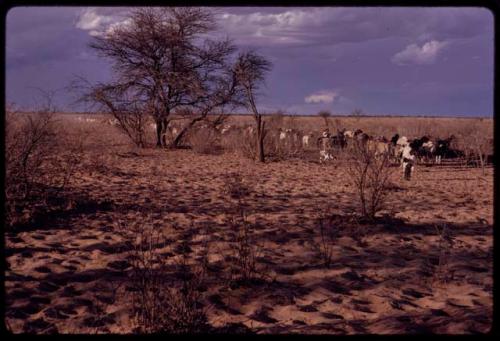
(397, 61)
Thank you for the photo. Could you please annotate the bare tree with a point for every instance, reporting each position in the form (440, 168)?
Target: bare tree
(161, 64)
(250, 71)
(325, 114)
(357, 113)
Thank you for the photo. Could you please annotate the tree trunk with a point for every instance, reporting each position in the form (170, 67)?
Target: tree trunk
(159, 130)
(482, 161)
(260, 139)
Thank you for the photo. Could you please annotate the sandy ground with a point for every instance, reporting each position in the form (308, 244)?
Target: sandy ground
(69, 273)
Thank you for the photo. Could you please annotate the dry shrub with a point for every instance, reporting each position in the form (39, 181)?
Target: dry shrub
(442, 273)
(243, 247)
(160, 306)
(246, 146)
(369, 173)
(325, 115)
(240, 142)
(40, 159)
(328, 235)
(204, 141)
(132, 123)
(236, 187)
(476, 144)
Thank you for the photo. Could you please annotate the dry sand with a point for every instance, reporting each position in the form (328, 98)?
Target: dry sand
(61, 273)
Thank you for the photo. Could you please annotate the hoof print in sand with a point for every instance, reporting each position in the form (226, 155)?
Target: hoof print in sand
(39, 326)
(308, 308)
(119, 265)
(262, 315)
(48, 287)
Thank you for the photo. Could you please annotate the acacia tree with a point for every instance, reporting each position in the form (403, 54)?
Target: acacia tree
(250, 70)
(161, 65)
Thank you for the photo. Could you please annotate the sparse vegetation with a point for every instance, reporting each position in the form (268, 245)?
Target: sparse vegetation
(161, 305)
(328, 235)
(250, 71)
(242, 252)
(243, 247)
(369, 174)
(40, 160)
(204, 141)
(180, 203)
(442, 272)
(325, 115)
(357, 114)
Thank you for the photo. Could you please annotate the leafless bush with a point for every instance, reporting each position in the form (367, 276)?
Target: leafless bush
(357, 113)
(442, 273)
(236, 141)
(236, 187)
(243, 246)
(158, 304)
(40, 159)
(204, 141)
(244, 250)
(247, 145)
(132, 122)
(325, 115)
(328, 235)
(369, 172)
(476, 143)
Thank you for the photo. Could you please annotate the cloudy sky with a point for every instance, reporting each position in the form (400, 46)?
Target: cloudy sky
(397, 61)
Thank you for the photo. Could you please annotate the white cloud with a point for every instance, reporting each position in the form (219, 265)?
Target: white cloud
(324, 96)
(98, 24)
(334, 25)
(90, 20)
(414, 54)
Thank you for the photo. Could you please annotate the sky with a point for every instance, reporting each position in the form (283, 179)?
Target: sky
(383, 61)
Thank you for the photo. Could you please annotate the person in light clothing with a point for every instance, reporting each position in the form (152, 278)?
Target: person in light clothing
(408, 161)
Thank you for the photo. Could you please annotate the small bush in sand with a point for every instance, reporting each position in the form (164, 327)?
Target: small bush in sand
(243, 247)
(204, 141)
(160, 306)
(442, 272)
(40, 159)
(369, 172)
(236, 188)
(328, 235)
(240, 142)
(246, 146)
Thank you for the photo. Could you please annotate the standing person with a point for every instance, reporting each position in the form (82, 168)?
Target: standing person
(408, 161)
(324, 143)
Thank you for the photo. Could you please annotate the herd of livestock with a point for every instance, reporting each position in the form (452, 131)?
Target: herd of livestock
(398, 149)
